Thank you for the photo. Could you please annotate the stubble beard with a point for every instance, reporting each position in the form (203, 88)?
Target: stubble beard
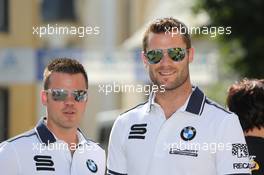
(178, 81)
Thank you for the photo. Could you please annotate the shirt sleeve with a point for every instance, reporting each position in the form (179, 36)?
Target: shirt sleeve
(116, 161)
(234, 158)
(8, 159)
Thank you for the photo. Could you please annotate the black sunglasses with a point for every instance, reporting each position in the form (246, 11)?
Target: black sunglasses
(176, 54)
(62, 94)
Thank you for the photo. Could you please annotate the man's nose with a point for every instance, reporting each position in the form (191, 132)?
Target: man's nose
(69, 100)
(166, 58)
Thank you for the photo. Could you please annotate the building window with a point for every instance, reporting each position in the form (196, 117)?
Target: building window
(4, 16)
(3, 114)
(58, 10)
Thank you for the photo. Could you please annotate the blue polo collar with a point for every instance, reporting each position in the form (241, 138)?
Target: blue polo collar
(195, 104)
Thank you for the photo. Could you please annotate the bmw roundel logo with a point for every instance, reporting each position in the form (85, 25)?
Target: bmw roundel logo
(91, 165)
(188, 133)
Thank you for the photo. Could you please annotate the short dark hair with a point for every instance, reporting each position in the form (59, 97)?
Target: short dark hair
(246, 99)
(163, 25)
(63, 65)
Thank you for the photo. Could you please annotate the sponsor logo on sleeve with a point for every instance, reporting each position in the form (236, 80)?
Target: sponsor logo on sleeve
(254, 166)
(240, 150)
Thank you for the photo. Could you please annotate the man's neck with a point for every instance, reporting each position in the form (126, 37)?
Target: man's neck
(256, 132)
(171, 100)
(67, 135)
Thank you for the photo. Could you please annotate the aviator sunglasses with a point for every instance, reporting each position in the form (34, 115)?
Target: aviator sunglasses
(62, 94)
(176, 54)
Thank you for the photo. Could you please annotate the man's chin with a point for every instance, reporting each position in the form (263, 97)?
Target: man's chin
(169, 88)
(166, 85)
(69, 124)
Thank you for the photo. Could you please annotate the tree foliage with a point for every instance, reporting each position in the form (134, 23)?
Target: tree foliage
(246, 18)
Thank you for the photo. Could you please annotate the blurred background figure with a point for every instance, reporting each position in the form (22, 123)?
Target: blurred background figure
(246, 99)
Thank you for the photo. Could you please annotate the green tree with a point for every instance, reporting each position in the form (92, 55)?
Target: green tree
(244, 47)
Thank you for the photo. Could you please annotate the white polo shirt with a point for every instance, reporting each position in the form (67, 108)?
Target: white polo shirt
(39, 152)
(200, 138)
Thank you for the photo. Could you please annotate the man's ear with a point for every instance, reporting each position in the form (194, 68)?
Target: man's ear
(44, 97)
(144, 59)
(191, 54)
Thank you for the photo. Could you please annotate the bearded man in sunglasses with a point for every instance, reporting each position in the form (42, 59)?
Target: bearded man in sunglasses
(56, 145)
(179, 131)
